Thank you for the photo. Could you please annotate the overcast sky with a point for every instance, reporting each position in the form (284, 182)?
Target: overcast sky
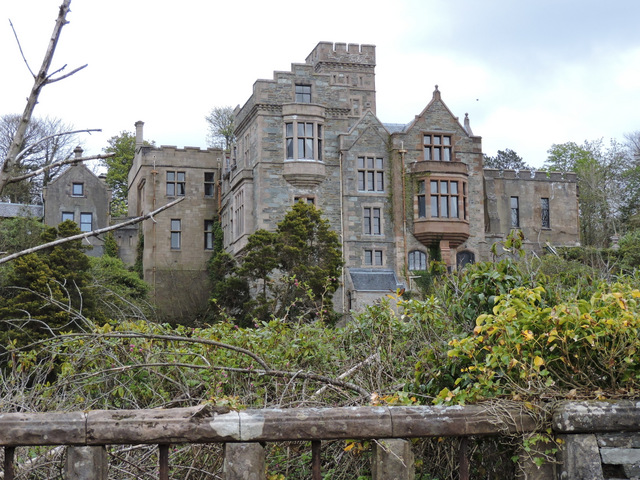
(529, 73)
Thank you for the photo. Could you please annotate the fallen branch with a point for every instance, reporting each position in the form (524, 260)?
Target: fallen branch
(92, 233)
(57, 164)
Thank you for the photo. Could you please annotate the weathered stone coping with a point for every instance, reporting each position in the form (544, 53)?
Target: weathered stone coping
(202, 424)
(597, 416)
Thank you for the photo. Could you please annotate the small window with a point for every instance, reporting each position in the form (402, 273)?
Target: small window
(544, 212)
(515, 212)
(86, 222)
(77, 189)
(373, 257)
(67, 216)
(417, 260)
(176, 233)
(303, 141)
(176, 184)
(307, 200)
(209, 184)
(208, 234)
(303, 93)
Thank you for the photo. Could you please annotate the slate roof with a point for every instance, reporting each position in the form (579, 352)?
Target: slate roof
(11, 210)
(374, 280)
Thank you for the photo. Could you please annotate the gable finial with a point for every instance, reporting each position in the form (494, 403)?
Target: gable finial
(436, 93)
(467, 125)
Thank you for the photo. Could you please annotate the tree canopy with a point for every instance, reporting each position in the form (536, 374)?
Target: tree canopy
(506, 160)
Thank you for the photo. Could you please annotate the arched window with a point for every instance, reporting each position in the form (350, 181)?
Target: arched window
(464, 257)
(417, 260)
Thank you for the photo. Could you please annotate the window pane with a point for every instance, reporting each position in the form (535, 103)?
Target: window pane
(301, 129)
(434, 205)
(514, 202)
(454, 206)
(180, 189)
(444, 207)
(422, 208)
(378, 254)
(370, 163)
(370, 181)
(447, 140)
(447, 154)
(67, 216)
(436, 140)
(181, 176)
(175, 240)
(427, 139)
(175, 225)
(434, 186)
(208, 176)
(454, 188)
(289, 130)
(379, 163)
(427, 153)
(368, 257)
(301, 148)
(171, 189)
(421, 186)
(78, 189)
(444, 187)
(379, 181)
(360, 162)
(436, 154)
(361, 180)
(308, 148)
(171, 176)
(319, 131)
(289, 147)
(309, 129)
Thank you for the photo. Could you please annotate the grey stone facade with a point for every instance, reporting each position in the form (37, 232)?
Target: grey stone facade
(78, 194)
(392, 192)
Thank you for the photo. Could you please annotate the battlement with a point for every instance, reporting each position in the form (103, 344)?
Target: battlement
(327, 52)
(531, 175)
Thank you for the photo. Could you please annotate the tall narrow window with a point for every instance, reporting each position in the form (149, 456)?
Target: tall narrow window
(176, 184)
(372, 221)
(422, 203)
(303, 93)
(437, 148)
(238, 213)
(544, 211)
(515, 212)
(77, 189)
(67, 216)
(209, 184)
(370, 174)
(176, 233)
(86, 222)
(208, 234)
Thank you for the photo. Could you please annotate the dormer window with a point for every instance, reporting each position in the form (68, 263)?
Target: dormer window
(77, 189)
(437, 148)
(303, 93)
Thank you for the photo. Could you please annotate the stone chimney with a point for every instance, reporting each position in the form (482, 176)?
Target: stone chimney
(139, 135)
(467, 125)
(78, 154)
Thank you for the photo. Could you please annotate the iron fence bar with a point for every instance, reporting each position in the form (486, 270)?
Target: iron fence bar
(164, 462)
(463, 458)
(9, 469)
(316, 460)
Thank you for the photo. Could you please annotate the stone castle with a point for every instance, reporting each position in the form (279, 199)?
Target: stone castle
(392, 192)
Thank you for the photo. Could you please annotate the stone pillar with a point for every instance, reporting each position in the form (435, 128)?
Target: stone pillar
(244, 461)
(86, 463)
(392, 460)
(580, 458)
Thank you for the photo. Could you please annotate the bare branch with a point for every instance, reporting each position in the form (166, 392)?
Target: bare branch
(54, 80)
(48, 137)
(57, 164)
(93, 233)
(21, 52)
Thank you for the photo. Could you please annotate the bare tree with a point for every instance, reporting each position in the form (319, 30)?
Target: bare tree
(221, 126)
(17, 151)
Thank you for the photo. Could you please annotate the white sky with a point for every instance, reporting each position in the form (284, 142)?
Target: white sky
(530, 73)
